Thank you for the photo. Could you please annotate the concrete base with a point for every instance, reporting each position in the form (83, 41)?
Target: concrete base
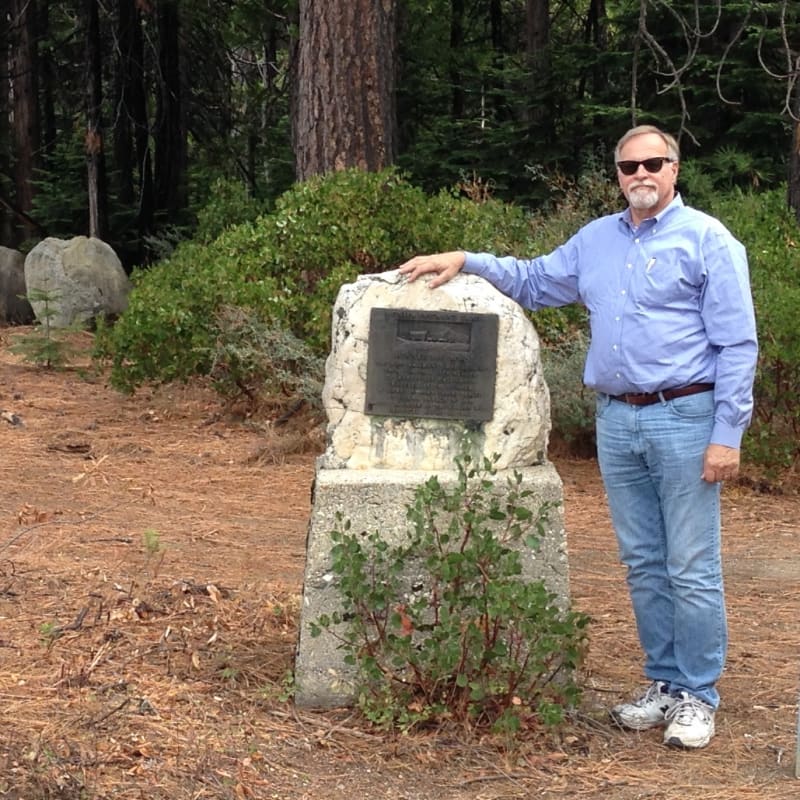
(377, 500)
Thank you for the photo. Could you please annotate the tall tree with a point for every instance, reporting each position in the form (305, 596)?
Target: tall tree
(456, 53)
(170, 126)
(793, 182)
(23, 79)
(596, 34)
(6, 218)
(344, 112)
(132, 155)
(537, 30)
(95, 155)
(499, 50)
(49, 81)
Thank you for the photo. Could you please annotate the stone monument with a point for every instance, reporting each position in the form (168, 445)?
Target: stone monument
(410, 370)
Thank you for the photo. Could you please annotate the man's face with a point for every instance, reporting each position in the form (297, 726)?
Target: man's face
(647, 193)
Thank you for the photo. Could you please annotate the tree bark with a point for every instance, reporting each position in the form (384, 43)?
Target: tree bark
(24, 82)
(170, 134)
(6, 228)
(793, 178)
(498, 89)
(48, 83)
(537, 31)
(456, 46)
(597, 35)
(344, 111)
(132, 154)
(95, 156)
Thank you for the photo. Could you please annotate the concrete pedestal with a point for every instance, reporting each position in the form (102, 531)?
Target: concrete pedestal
(377, 500)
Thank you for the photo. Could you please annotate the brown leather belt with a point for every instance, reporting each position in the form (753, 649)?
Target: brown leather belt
(648, 398)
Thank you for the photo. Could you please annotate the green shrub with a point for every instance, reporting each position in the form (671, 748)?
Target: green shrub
(472, 641)
(255, 361)
(288, 266)
(572, 404)
(229, 204)
(769, 231)
(169, 329)
(573, 204)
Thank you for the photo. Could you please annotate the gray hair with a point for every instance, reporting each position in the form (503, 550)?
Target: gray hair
(673, 150)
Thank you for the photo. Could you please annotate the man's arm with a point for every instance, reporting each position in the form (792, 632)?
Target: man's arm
(730, 322)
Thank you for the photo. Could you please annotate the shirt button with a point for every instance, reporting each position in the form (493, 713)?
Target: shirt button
(636, 241)
(630, 266)
(614, 347)
(623, 292)
(616, 319)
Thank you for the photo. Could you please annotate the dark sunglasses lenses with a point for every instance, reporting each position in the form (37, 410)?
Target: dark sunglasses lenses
(650, 164)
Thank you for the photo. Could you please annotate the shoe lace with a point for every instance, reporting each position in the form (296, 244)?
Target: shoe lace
(653, 692)
(686, 710)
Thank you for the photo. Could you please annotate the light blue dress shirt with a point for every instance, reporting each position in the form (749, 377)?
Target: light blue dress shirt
(669, 305)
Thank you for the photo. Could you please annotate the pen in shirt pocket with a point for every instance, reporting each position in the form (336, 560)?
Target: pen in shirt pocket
(650, 264)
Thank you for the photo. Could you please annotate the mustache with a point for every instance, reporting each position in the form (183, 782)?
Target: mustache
(643, 186)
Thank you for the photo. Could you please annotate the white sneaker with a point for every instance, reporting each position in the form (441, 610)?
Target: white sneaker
(691, 722)
(647, 710)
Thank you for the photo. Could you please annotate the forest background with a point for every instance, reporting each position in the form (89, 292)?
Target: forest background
(246, 157)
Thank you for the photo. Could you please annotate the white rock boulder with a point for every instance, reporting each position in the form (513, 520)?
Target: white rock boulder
(74, 281)
(519, 429)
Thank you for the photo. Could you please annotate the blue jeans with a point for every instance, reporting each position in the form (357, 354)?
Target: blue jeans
(667, 521)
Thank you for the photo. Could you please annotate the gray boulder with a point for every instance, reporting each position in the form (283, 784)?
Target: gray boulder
(14, 307)
(82, 278)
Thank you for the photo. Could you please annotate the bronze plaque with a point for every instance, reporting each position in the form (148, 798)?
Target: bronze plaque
(435, 364)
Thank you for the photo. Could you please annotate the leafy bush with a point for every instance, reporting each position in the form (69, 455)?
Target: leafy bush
(769, 231)
(255, 361)
(229, 204)
(169, 329)
(572, 404)
(471, 641)
(288, 266)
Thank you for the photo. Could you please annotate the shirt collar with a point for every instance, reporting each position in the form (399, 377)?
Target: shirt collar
(674, 204)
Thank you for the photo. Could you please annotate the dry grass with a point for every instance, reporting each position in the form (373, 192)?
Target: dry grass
(151, 558)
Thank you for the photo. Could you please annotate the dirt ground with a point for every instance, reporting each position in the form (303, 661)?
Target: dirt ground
(151, 562)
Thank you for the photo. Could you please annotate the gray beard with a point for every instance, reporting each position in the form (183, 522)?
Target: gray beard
(643, 198)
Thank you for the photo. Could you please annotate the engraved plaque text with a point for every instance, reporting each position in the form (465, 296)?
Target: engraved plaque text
(435, 364)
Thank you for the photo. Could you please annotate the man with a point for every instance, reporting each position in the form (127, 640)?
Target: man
(672, 358)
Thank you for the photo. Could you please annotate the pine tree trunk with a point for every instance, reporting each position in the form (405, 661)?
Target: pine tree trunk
(170, 134)
(793, 181)
(344, 111)
(132, 130)
(538, 57)
(95, 156)
(458, 102)
(25, 106)
(7, 237)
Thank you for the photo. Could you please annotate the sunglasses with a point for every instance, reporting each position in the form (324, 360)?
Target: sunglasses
(650, 164)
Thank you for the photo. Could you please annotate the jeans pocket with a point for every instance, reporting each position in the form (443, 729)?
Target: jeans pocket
(601, 403)
(694, 406)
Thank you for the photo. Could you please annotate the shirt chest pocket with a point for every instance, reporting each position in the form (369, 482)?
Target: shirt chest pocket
(666, 282)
